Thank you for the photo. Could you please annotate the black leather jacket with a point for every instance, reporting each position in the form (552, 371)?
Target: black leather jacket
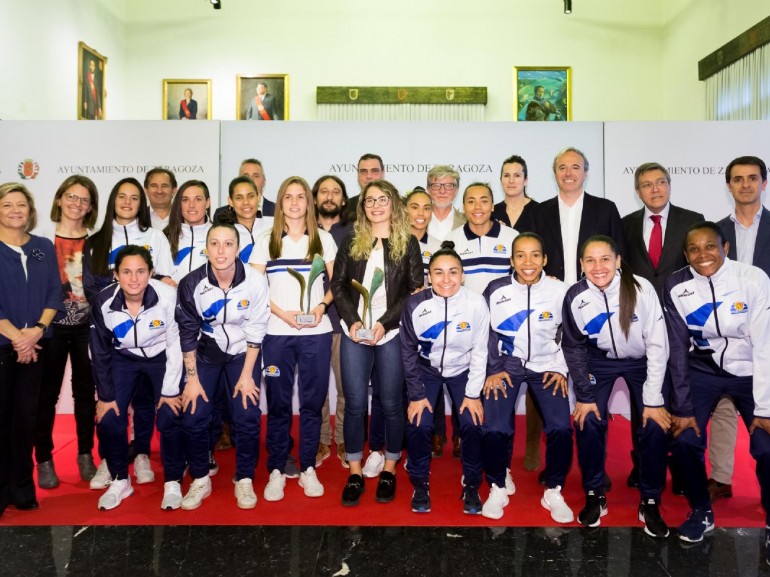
(401, 279)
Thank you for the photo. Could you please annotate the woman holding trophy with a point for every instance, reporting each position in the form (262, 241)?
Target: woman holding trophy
(293, 255)
(378, 266)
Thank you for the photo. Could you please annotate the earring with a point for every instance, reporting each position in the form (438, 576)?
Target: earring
(620, 271)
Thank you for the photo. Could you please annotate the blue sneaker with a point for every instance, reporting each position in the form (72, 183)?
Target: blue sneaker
(421, 498)
(471, 500)
(698, 523)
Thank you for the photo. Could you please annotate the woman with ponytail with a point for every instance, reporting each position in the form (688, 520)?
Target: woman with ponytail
(613, 327)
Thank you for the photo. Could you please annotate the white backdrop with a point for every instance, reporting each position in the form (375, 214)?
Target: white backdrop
(696, 154)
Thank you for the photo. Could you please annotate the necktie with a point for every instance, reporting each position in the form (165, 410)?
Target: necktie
(656, 240)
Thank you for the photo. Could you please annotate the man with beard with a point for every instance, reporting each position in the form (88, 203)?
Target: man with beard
(370, 167)
(330, 199)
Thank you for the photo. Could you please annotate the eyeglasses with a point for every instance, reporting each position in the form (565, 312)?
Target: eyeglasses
(436, 186)
(74, 198)
(379, 201)
(660, 183)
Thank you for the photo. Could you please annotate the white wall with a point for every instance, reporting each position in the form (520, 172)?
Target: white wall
(695, 29)
(631, 60)
(39, 65)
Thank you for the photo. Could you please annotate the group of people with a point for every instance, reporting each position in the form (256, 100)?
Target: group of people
(184, 315)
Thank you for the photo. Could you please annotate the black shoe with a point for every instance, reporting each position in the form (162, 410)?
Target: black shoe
(633, 478)
(471, 500)
(28, 505)
(421, 498)
(649, 514)
(386, 487)
(595, 509)
(353, 490)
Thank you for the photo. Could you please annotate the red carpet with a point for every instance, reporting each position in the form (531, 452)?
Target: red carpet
(72, 503)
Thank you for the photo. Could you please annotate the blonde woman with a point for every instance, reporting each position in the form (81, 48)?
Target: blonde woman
(384, 257)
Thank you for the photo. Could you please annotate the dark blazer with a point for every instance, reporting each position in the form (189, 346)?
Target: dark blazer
(762, 246)
(192, 107)
(268, 207)
(672, 258)
(600, 216)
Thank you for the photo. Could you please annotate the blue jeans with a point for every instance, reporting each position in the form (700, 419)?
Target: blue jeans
(358, 361)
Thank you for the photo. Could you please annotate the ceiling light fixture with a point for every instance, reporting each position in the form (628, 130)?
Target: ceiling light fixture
(568, 6)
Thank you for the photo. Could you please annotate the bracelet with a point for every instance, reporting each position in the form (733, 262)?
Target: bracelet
(253, 346)
(326, 306)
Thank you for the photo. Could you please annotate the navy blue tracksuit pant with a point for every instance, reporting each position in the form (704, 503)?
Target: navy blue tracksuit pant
(128, 374)
(419, 438)
(312, 355)
(688, 449)
(592, 440)
(245, 422)
(499, 427)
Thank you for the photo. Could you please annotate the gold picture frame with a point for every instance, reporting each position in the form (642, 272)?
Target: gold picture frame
(176, 106)
(554, 85)
(273, 103)
(92, 93)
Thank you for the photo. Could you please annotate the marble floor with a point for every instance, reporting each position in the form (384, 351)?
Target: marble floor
(239, 551)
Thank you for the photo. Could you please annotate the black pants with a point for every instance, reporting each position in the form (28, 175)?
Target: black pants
(66, 342)
(19, 395)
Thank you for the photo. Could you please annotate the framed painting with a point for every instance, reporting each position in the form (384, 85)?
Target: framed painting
(262, 97)
(91, 91)
(543, 93)
(186, 99)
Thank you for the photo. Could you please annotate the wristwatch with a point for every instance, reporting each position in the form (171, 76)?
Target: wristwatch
(42, 327)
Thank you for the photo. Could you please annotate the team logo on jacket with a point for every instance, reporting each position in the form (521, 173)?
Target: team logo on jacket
(685, 293)
(545, 316)
(272, 371)
(149, 248)
(243, 304)
(157, 324)
(426, 254)
(634, 318)
(504, 299)
(463, 326)
(499, 249)
(739, 308)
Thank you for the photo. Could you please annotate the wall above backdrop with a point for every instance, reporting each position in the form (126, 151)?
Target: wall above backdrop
(543, 93)
(91, 90)
(186, 99)
(262, 97)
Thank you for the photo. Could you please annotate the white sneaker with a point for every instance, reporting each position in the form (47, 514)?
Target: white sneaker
(375, 462)
(275, 485)
(497, 500)
(114, 495)
(310, 483)
(143, 470)
(102, 477)
(244, 494)
(199, 490)
(510, 486)
(172, 496)
(554, 502)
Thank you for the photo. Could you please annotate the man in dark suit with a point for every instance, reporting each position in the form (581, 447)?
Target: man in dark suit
(747, 232)
(653, 185)
(654, 246)
(567, 220)
(252, 168)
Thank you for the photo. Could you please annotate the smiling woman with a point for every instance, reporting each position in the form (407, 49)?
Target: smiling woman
(30, 298)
